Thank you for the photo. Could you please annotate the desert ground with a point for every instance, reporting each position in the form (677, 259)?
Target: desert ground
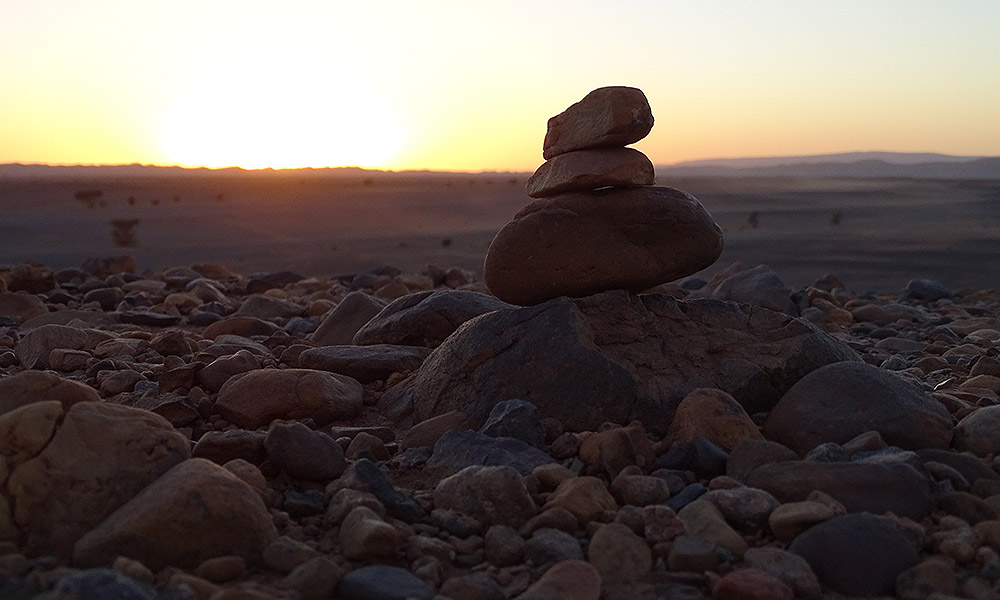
(871, 233)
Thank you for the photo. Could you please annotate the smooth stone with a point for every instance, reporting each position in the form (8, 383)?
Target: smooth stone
(21, 306)
(475, 586)
(303, 453)
(503, 546)
(383, 582)
(343, 322)
(99, 457)
(492, 494)
(874, 488)
(703, 520)
(585, 170)
(639, 490)
(605, 118)
(856, 554)
(574, 579)
(714, 415)
(547, 546)
(256, 398)
(968, 465)
(586, 497)
(759, 285)
(750, 454)
(97, 584)
(315, 579)
(686, 496)
(568, 357)
(842, 400)
(365, 476)
(364, 363)
(26, 387)
(979, 432)
(267, 308)
(216, 373)
(751, 584)
(460, 449)
(516, 419)
(790, 568)
(745, 508)
(240, 325)
(221, 447)
(619, 554)
(701, 456)
(34, 348)
(614, 448)
(792, 518)
(195, 496)
(692, 555)
(425, 318)
(582, 243)
(429, 431)
(927, 290)
(933, 575)
(364, 535)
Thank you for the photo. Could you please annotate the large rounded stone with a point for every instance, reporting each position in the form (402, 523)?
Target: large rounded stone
(582, 243)
(193, 512)
(34, 348)
(618, 357)
(979, 432)
(606, 117)
(259, 397)
(837, 402)
(493, 495)
(27, 387)
(100, 456)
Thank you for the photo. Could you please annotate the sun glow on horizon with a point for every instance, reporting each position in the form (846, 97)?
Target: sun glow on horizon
(279, 112)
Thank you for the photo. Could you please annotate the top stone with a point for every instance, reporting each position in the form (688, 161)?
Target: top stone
(606, 117)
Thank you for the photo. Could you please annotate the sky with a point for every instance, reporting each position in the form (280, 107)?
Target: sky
(469, 85)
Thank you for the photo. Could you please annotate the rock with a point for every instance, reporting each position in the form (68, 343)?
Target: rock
(703, 520)
(214, 375)
(750, 454)
(195, 496)
(268, 308)
(701, 456)
(476, 586)
(240, 325)
(586, 170)
(614, 448)
(875, 488)
(792, 518)
(256, 398)
(425, 318)
(639, 490)
(502, 546)
(491, 494)
(222, 569)
(516, 419)
(979, 432)
(148, 318)
(315, 579)
(604, 118)
(94, 584)
(636, 238)
(460, 449)
(935, 574)
(21, 306)
(26, 430)
(547, 546)
(364, 535)
(108, 298)
(585, 497)
(27, 387)
(33, 349)
(745, 508)
(758, 285)
(366, 444)
(99, 457)
(571, 357)
(221, 447)
(692, 555)
(365, 476)
(751, 584)
(968, 465)
(284, 554)
(554, 517)
(714, 415)
(382, 582)
(567, 579)
(429, 431)
(619, 554)
(856, 554)
(364, 363)
(927, 290)
(790, 568)
(31, 278)
(303, 453)
(340, 326)
(840, 401)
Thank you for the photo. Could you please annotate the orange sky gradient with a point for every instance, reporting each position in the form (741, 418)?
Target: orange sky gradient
(468, 86)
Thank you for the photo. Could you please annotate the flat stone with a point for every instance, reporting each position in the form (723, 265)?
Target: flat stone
(516, 419)
(606, 117)
(218, 372)
(429, 431)
(256, 398)
(221, 447)
(267, 308)
(424, 318)
(240, 325)
(875, 488)
(365, 476)
(548, 546)
(364, 363)
(840, 401)
(759, 285)
(792, 518)
(751, 584)
(586, 170)
(619, 357)
(582, 243)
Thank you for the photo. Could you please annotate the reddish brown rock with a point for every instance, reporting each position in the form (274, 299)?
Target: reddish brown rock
(492, 495)
(751, 584)
(259, 397)
(585, 497)
(604, 118)
(574, 579)
(100, 456)
(35, 386)
(714, 415)
(344, 321)
(619, 554)
(239, 325)
(578, 244)
(20, 306)
(614, 448)
(194, 512)
(586, 170)
(34, 348)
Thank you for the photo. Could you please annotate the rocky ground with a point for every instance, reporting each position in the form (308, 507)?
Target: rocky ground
(196, 433)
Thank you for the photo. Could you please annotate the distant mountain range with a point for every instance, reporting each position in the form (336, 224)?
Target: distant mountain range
(849, 164)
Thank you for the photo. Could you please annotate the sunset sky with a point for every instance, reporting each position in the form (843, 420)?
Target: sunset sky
(469, 85)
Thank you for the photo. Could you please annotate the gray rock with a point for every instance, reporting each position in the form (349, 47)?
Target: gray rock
(837, 402)
(759, 285)
(493, 495)
(425, 318)
(927, 290)
(617, 357)
(547, 546)
(98, 584)
(383, 582)
(460, 449)
(516, 419)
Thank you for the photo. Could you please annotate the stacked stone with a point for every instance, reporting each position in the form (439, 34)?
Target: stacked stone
(598, 222)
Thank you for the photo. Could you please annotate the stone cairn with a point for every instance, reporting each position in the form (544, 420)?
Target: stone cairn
(598, 222)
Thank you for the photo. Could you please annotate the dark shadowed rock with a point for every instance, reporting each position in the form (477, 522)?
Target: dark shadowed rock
(586, 170)
(425, 318)
(927, 290)
(618, 357)
(581, 243)
(344, 321)
(516, 419)
(759, 285)
(21, 306)
(604, 118)
(460, 449)
(258, 397)
(859, 486)
(304, 453)
(364, 363)
(491, 494)
(857, 554)
(365, 476)
(383, 582)
(840, 401)
(34, 348)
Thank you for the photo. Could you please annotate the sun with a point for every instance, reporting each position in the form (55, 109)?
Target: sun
(279, 114)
